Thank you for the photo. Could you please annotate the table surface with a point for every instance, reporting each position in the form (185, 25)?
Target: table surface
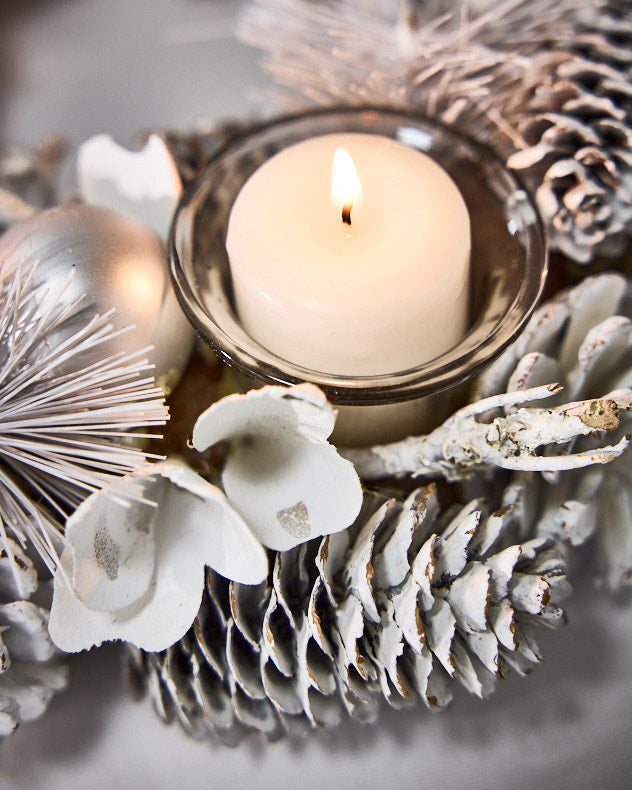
(79, 67)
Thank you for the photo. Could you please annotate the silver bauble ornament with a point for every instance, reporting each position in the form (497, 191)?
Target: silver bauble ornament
(119, 264)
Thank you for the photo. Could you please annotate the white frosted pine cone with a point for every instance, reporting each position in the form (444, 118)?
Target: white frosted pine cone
(583, 339)
(574, 118)
(395, 608)
(30, 668)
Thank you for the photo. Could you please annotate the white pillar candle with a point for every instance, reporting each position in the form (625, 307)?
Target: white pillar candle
(367, 281)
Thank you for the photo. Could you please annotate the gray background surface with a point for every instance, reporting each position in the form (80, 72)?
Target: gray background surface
(80, 67)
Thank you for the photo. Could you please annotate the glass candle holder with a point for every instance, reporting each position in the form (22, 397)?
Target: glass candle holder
(507, 275)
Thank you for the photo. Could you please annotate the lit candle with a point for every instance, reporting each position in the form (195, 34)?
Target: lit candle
(360, 271)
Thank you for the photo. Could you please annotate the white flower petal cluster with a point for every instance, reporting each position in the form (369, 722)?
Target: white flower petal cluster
(133, 568)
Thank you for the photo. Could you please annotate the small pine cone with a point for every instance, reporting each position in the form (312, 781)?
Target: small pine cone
(583, 339)
(30, 671)
(396, 607)
(575, 117)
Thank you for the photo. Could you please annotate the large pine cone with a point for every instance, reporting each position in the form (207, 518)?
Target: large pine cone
(582, 338)
(30, 671)
(575, 117)
(396, 607)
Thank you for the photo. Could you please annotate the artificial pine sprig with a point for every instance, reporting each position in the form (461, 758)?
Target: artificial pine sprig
(66, 410)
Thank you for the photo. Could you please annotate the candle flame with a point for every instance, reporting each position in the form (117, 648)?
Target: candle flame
(345, 183)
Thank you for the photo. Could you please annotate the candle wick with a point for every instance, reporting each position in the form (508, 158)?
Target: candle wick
(346, 213)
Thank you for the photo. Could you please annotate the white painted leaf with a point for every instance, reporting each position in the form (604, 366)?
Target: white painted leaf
(465, 670)
(331, 559)
(390, 647)
(528, 157)
(420, 668)
(243, 663)
(317, 627)
(5, 656)
(9, 715)
(490, 529)
(572, 522)
(278, 650)
(542, 332)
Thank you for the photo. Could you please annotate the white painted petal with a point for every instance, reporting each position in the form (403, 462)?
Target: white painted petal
(230, 548)
(144, 184)
(285, 479)
(194, 525)
(266, 412)
(113, 549)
